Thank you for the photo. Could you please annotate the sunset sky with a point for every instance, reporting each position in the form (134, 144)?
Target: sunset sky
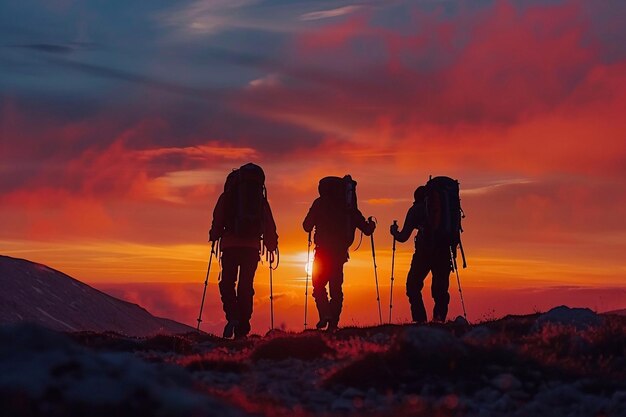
(120, 120)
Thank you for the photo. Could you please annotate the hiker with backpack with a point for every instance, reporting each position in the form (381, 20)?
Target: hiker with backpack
(335, 217)
(244, 226)
(436, 215)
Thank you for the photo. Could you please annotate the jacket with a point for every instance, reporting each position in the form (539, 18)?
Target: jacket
(334, 229)
(220, 229)
(415, 220)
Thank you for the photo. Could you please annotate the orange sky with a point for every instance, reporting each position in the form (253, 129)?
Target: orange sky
(112, 158)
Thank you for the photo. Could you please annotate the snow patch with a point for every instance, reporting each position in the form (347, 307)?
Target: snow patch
(42, 311)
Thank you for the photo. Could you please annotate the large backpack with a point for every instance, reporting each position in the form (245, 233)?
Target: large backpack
(245, 191)
(340, 190)
(444, 212)
(338, 195)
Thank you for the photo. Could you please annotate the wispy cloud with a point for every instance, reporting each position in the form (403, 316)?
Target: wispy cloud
(387, 201)
(208, 17)
(494, 186)
(47, 47)
(270, 80)
(326, 14)
(102, 71)
(200, 152)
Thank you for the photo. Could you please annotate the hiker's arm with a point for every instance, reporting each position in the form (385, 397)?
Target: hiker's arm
(270, 237)
(408, 227)
(366, 226)
(219, 220)
(311, 218)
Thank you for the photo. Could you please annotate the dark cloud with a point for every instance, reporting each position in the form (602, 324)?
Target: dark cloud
(47, 47)
(127, 76)
(466, 69)
(448, 69)
(90, 147)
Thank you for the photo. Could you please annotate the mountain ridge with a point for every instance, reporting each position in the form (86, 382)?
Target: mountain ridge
(33, 292)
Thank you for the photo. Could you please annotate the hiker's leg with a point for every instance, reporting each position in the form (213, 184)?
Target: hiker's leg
(227, 282)
(441, 283)
(336, 293)
(414, 283)
(248, 261)
(321, 274)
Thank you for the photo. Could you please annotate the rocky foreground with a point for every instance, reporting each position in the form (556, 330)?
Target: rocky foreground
(567, 362)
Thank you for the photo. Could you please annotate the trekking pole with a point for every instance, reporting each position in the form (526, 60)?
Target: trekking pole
(458, 280)
(380, 312)
(308, 271)
(206, 282)
(271, 260)
(393, 261)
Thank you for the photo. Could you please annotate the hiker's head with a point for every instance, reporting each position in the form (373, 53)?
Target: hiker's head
(230, 180)
(420, 193)
(252, 172)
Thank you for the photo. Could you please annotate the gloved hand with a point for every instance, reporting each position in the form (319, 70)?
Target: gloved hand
(270, 246)
(394, 229)
(213, 235)
(371, 225)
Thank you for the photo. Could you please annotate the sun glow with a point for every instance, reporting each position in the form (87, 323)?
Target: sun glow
(308, 263)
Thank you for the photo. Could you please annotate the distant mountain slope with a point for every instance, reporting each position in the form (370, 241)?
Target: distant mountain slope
(617, 312)
(34, 293)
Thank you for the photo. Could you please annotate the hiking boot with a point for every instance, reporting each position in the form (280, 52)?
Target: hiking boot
(439, 319)
(333, 325)
(241, 330)
(229, 329)
(322, 324)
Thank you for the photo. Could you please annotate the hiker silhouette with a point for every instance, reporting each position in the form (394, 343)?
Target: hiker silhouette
(242, 219)
(436, 214)
(335, 217)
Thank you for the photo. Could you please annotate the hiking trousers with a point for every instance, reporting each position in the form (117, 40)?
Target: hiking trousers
(238, 268)
(328, 270)
(425, 260)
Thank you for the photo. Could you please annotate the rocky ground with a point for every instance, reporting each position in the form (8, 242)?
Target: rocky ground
(566, 362)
